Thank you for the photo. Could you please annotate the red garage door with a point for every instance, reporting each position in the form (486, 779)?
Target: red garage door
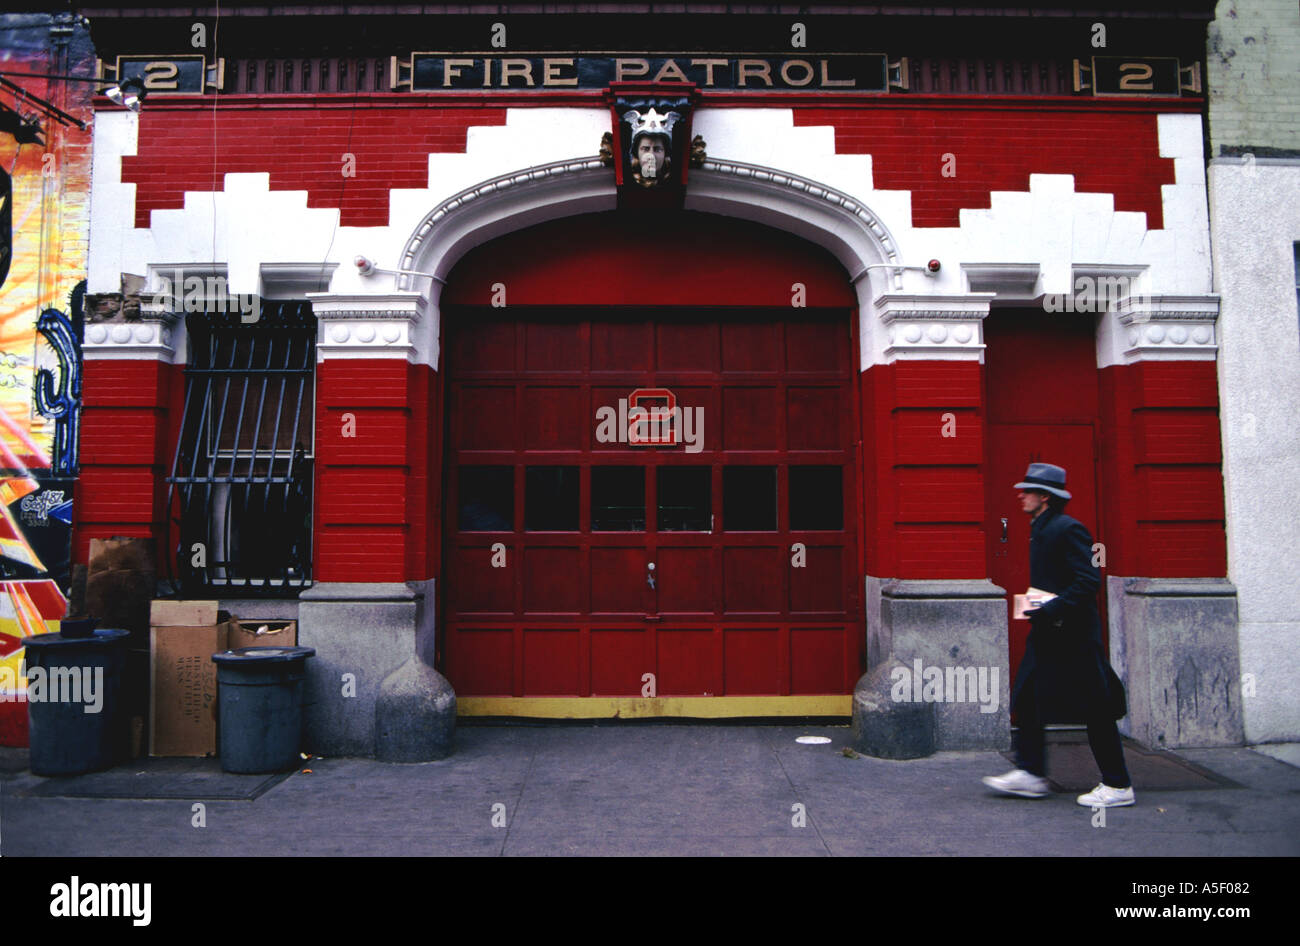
(720, 562)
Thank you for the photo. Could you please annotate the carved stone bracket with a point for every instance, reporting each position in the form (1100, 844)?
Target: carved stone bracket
(368, 325)
(946, 327)
(152, 338)
(1168, 328)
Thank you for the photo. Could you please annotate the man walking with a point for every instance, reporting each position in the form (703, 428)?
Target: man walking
(1064, 676)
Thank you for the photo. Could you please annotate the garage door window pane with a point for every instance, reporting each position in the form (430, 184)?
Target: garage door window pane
(749, 498)
(617, 499)
(685, 499)
(551, 498)
(487, 498)
(816, 498)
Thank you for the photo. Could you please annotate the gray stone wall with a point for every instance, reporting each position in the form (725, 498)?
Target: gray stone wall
(959, 629)
(362, 632)
(1253, 78)
(1255, 213)
(1174, 644)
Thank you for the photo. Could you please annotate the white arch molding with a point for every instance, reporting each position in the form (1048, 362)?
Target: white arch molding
(929, 325)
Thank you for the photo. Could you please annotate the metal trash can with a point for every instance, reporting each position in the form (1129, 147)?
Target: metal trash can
(74, 706)
(260, 698)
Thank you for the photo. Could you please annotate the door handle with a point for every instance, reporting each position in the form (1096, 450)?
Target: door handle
(1004, 528)
(650, 575)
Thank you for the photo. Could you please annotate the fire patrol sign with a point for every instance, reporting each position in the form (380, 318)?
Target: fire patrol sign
(826, 72)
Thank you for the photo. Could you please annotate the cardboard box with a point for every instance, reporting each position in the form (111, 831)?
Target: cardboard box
(182, 613)
(183, 696)
(262, 634)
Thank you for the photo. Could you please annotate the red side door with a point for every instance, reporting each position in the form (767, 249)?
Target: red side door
(1042, 396)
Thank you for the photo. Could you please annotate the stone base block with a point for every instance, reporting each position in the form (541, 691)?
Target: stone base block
(415, 715)
(1174, 644)
(362, 632)
(953, 635)
(888, 728)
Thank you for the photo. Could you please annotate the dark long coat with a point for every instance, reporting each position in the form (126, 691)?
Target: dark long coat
(1065, 669)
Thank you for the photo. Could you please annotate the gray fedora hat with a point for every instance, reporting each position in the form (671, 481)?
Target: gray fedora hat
(1045, 477)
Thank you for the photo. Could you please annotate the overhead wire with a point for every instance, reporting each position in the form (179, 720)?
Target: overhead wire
(216, 54)
(356, 95)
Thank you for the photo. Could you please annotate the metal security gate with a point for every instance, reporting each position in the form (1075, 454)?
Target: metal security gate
(241, 479)
(716, 567)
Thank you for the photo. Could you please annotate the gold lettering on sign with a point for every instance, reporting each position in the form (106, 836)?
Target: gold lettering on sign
(1135, 79)
(828, 82)
(630, 68)
(709, 65)
(760, 68)
(487, 73)
(551, 74)
(516, 67)
(161, 76)
(672, 71)
(451, 69)
(807, 75)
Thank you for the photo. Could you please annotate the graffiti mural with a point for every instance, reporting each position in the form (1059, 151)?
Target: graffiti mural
(44, 207)
(58, 393)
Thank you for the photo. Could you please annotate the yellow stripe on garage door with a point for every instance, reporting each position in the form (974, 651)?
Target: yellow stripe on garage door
(699, 707)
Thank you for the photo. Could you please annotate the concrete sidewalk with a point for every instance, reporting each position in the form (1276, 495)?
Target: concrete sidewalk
(663, 790)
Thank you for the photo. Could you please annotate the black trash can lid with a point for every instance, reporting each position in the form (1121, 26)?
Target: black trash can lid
(103, 637)
(246, 655)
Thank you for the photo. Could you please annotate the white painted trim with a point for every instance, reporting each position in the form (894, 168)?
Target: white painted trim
(781, 192)
(151, 339)
(760, 167)
(1008, 281)
(1169, 328)
(361, 325)
(851, 231)
(557, 186)
(944, 327)
(295, 280)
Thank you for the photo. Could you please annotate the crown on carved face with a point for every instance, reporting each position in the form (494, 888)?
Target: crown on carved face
(651, 123)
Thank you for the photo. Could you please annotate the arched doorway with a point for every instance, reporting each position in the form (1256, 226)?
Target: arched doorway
(718, 569)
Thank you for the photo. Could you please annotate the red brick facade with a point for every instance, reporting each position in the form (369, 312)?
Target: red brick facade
(377, 495)
(372, 518)
(303, 144)
(996, 149)
(1162, 454)
(129, 423)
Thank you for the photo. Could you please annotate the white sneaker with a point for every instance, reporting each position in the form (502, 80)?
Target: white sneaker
(1103, 796)
(1018, 782)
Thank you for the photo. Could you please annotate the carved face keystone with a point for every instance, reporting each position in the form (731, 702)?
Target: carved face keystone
(650, 155)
